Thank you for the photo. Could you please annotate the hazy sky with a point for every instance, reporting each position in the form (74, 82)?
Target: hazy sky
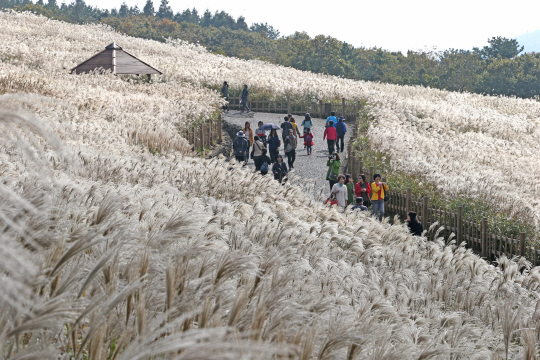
(390, 24)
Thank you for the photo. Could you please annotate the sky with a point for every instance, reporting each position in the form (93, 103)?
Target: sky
(396, 25)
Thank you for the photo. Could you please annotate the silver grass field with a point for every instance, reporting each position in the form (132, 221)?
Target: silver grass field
(111, 249)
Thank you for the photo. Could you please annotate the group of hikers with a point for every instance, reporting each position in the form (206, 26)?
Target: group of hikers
(264, 150)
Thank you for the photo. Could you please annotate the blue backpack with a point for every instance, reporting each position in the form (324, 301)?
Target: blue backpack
(264, 167)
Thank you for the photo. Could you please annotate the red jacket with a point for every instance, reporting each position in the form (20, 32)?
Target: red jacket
(330, 133)
(358, 190)
(305, 141)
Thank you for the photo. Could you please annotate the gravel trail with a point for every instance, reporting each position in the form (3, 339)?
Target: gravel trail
(311, 168)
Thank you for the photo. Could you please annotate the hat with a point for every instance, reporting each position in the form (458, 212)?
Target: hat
(358, 199)
(240, 134)
(341, 118)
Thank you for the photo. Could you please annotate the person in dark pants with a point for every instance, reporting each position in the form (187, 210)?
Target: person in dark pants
(273, 145)
(279, 169)
(290, 148)
(225, 94)
(245, 98)
(241, 147)
(334, 166)
(415, 226)
(330, 135)
(263, 162)
(285, 127)
(341, 129)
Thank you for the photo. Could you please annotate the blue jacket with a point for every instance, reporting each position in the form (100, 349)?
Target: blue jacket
(341, 129)
(245, 94)
(333, 118)
(273, 143)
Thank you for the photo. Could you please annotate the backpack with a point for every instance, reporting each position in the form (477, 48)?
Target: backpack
(308, 138)
(264, 167)
(239, 144)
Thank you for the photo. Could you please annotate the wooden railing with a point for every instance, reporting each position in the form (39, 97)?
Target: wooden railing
(204, 135)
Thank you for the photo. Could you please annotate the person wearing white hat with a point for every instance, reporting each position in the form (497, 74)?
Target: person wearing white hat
(241, 147)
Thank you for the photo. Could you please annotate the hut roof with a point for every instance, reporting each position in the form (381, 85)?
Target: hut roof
(117, 60)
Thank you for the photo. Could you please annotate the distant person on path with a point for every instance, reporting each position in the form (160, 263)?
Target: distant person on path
(248, 132)
(225, 94)
(261, 133)
(334, 165)
(290, 148)
(279, 169)
(273, 145)
(359, 205)
(308, 139)
(263, 163)
(341, 129)
(339, 190)
(332, 118)
(330, 135)
(295, 126)
(377, 196)
(307, 123)
(415, 226)
(285, 127)
(350, 189)
(241, 147)
(257, 149)
(245, 98)
(363, 190)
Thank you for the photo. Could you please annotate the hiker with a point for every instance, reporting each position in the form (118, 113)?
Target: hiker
(248, 132)
(359, 205)
(341, 129)
(339, 190)
(295, 126)
(290, 148)
(285, 127)
(308, 139)
(331, 136)
(334, 164)
(244, 99)
(363, 190)
(331, 118)
(261, 133)
(256, 151)
(241, 147)
(263, 162)
(273, 145)
(225, 94)
(279, 169)
(377, 196)
(307, 123)
(415, 226)
(350, 189)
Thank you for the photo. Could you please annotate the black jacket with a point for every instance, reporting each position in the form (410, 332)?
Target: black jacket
(415, 228)
(285, 127)
(279, 171)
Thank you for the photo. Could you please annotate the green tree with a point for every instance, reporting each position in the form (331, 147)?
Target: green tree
(124, 10)
(500, 46)
(148, 9)
(164, 11)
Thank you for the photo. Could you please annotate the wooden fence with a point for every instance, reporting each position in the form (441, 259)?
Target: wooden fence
(342, 107)
(476, 234)
(205, 134)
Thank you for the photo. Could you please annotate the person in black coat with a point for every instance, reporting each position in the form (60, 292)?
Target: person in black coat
(261, 160)
(415, 226)
(279, 169)
(341, 129)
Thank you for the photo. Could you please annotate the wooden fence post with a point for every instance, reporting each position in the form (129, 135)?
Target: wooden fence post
(350, 160)
(327, 109)
(321, 109)
(288, 105)
(220, 129)
(360, 166)
(408, 200)
(483, 237)
(370, 174)
(201, 135)
(343, 107)
(459, 228)
(522, 244)
(425, 212)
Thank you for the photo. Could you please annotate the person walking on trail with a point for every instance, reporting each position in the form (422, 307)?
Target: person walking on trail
(378, 189)
(285, 127)
(241, 147)
(341, 129)
(263, 163)
(339, 191)
(308, 139)
(290, 148)
(332, 118)
(350, 189)
(225, 94)
(279, 169)
(330, 135)
(359, 205)
(257, 149)
(334, 165)
(273, 145)
(295, 126)
(261, 133)
(248, 132)
(363, 190)
(245, 98)
(415, 226)
(307, 123)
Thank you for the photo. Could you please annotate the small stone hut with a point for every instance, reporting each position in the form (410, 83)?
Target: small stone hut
(117, 60)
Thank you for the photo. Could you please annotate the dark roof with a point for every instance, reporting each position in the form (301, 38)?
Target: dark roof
(113, 46)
